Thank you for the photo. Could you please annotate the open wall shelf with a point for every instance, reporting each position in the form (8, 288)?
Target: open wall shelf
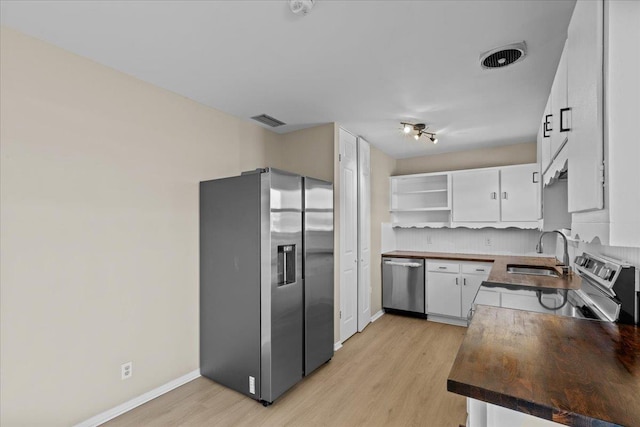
(421, 200)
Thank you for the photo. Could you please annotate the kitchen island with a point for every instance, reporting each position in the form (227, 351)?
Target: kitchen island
(570, 371)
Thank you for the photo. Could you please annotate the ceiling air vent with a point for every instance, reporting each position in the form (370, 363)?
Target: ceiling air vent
(268, 120)
(504, 55)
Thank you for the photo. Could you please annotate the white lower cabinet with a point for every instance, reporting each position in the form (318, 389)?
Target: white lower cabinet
(482, 414)
(485, 297)
(443, 293)
(470, 285)
(452, 287)
(519, 299)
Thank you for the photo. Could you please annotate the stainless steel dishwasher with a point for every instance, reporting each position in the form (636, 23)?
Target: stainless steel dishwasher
(403, 284)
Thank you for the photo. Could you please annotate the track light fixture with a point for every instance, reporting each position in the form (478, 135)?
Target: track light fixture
(419, 129)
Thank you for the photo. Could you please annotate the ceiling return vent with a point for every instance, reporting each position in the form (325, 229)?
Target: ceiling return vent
(503, 55)
(268, 120)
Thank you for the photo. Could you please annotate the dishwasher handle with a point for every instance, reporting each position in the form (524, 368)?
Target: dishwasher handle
(404, 264)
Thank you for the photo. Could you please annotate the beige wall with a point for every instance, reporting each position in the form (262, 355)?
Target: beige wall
(308, 152)
(470, 159)
(99, 227)
(382, 167)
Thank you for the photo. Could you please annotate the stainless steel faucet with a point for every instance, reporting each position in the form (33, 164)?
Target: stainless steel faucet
(566, 268)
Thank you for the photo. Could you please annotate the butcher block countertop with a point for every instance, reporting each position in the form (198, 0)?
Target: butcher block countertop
(499, 272)
(572, 371)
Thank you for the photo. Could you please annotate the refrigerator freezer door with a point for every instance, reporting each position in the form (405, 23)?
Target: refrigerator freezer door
(318, 270)
(281, 297)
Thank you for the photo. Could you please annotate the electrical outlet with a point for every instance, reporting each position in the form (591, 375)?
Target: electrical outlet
(487, 241)
(429, 241)
(126, 370)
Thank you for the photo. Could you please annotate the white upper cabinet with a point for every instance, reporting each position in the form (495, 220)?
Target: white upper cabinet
(501, 197)
(602, 56)
(585, 83)
(510, 194)
(475, 196)
(544, 137)
(559, 110)
(519, 193)
(618, 224)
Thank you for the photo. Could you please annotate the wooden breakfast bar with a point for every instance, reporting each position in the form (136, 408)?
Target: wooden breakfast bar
(570, 371)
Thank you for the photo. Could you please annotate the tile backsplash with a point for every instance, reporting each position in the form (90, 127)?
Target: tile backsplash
(509, 241)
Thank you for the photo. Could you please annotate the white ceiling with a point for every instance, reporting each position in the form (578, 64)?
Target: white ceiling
(365, 64)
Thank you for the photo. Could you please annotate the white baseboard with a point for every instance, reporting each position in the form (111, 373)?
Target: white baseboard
(377, 316)
(137, 401)
(337, 346)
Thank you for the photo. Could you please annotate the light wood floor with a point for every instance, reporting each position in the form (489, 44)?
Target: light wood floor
(392, 374)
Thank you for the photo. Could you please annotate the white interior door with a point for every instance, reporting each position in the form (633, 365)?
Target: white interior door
(364, 234)
(348, 235)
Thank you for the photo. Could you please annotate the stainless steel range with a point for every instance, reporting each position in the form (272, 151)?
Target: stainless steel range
(609, 289)
(609, 293)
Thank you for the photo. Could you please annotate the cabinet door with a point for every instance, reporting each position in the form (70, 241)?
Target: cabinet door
(520, 200)
(470, 285)
(475, 196)
(545, 137)
(443, 294)
(559, 103)
(491, 298)
(585, 58)
(528, 300)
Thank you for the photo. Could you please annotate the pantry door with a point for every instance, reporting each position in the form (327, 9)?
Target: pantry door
(348, 235)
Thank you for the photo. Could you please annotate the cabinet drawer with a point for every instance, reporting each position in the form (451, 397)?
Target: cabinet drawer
(443, 266)
(477, 268)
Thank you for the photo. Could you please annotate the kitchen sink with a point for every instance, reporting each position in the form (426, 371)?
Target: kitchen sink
(532, 270)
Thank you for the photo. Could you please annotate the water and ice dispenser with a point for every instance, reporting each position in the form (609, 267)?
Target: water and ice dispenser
(286, 264)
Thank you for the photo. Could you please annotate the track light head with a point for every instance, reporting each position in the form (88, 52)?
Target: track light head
(419, 129)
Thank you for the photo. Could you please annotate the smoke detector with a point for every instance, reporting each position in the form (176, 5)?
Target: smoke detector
(301, 7)
(503, 55)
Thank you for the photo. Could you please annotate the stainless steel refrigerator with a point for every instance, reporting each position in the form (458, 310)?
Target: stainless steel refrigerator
(266, 280)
